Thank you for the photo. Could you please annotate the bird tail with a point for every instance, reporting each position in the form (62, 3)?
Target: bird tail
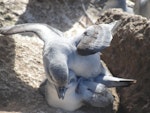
(42, 30)
(111, 81)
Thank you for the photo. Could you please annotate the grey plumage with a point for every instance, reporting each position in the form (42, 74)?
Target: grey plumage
(81, 91)
(60, 54)
(107, 4)
(142, 7)
(106, 78)
(96, 38)
(94, 94)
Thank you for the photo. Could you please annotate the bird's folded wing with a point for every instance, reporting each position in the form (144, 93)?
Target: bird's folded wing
(94, 94)
(109, 80)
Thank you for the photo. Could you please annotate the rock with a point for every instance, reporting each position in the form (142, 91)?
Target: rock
(129, 57)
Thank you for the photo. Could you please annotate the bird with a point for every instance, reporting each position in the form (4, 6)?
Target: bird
(107, 4)
(62, 55)
(84, 91)
(71, 102)
(79, 93)
(142, 7)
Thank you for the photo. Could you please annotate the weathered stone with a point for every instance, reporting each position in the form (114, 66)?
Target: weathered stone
(129, 57)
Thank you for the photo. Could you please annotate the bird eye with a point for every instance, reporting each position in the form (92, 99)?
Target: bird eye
(85, 33)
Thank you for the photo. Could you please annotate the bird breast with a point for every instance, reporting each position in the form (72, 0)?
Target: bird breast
(86, 66)
(71, 101)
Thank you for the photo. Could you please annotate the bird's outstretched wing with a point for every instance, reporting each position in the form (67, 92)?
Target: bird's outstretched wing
(44, 31)
(96, 37)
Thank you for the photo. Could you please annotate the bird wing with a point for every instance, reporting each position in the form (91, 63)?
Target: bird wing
(106, 78)
(96, 37)
(94, 94)
(44, 31)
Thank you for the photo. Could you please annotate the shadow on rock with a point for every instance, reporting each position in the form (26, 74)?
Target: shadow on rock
(60, 14)
(15, 94)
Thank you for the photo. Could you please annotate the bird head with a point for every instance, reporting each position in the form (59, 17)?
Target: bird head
(61, 78)
(58, 76)
(70, 83)
(97, 37)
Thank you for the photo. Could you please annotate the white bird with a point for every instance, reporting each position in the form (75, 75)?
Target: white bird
(62, 55)
(79, 94)
(71, 101)
(81, 91)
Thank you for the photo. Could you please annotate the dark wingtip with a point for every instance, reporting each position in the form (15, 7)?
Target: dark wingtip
(128, 83)
(134, 81)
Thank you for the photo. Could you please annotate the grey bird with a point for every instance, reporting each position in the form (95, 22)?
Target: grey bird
(71, 101)
(142, 7)
(62, 55)
(107, 4)
(79, 93)
(92, 91)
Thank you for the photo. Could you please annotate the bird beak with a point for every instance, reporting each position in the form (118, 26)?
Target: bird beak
(61, 92)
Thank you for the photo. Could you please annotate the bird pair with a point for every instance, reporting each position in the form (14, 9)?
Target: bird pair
(73, 67)
(80, 91)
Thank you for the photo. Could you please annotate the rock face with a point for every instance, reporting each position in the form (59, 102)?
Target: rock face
(129, 57)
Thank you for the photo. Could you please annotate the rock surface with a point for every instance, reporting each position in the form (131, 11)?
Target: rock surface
(129, 57)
